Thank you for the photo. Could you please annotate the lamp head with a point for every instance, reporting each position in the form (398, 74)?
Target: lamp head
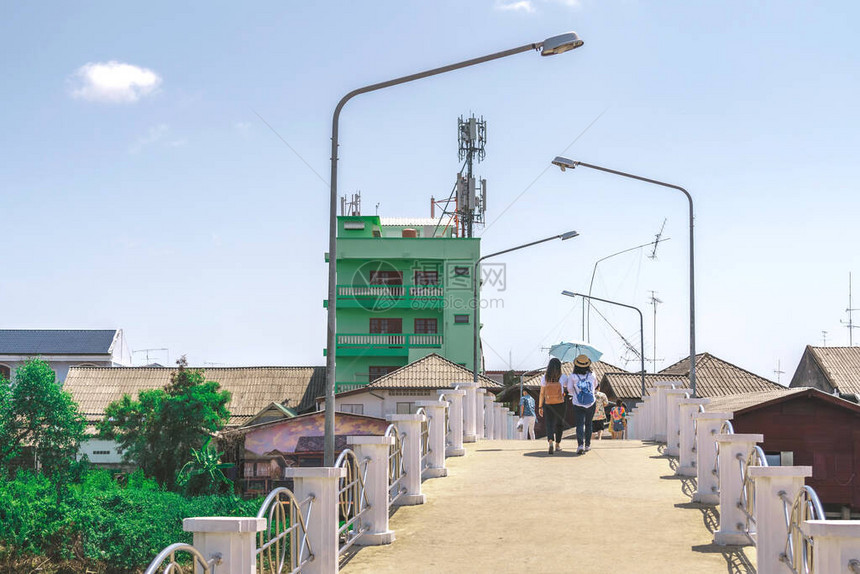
(560, 44)
(568, 293)
(569, 235)
(564, 163)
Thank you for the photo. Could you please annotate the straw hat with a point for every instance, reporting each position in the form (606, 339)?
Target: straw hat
(582, 361)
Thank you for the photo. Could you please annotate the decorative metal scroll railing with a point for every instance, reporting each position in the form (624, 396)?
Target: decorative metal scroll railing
(726, 428)
(396, 468)
(696, 431)
(284, 543)
(747, 502)
(165, 562)
(352, 498)
(798, 546)
(425, 439)
(443, 399)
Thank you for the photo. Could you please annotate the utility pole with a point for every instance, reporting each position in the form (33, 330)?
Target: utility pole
(654, 302)
(850, 323)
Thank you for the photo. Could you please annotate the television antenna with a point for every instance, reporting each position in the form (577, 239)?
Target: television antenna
(850, 323)
(824, 338)
(657, 240)
(655, 301)
(147, 351)
(778, 371)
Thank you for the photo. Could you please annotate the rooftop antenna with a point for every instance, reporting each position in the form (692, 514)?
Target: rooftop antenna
(471, 194)
(850, 323)
(655, 301)
(147, 351)
(657, 242)
(351, 204)
(778, 371)
(824, 338)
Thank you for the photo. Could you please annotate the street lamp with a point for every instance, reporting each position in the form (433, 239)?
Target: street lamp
(476, 285)
(549, 47)
(641, 329)
(565, 163)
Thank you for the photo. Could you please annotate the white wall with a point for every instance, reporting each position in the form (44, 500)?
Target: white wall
(94, 448)
(379, 403)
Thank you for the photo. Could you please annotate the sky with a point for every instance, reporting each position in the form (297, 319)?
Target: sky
(165, 168)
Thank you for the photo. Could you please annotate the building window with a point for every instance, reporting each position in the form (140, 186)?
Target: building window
(382, 326)
(427, 277)
(386, 278)
(101, 452)
(461, 319)
(374, 373)
(5, 372)
(426, 326)
(405, 408)
(353, 409)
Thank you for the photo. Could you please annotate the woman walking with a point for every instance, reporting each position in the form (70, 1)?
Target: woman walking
(581, 385)
(551, 403)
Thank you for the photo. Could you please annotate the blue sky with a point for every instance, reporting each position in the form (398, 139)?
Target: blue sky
(140, 188)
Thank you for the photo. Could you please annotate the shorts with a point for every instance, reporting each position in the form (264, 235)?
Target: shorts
(618, 426)
(598, 424)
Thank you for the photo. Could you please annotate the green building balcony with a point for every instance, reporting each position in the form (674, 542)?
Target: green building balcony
(382, 297)
(386, 345)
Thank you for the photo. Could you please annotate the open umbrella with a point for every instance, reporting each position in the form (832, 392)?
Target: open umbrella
(567, 352)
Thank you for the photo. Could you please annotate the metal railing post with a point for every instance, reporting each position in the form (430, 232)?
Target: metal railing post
(375, 450)
(734, 448)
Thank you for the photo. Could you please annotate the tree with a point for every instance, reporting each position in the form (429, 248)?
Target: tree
(36, 412)
(159, 430)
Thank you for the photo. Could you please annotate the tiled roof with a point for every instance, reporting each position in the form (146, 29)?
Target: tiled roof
(627, 386)
(841, 366)
(716, 377)
(56, 341)
(599, 368)
(430, 372)
(252, 388)
(735, 403)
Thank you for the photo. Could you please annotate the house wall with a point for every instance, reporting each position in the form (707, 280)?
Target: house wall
(59, 363)
(100, 452)
(809, 374)
(819, 434)
(379, 403)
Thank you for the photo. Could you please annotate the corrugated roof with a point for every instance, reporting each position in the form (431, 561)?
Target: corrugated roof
(841, 366)
(628, 386)
(56, 341)
(735, 403)
(599, 368)
(252, 388)
(716, 377)
(430, 372)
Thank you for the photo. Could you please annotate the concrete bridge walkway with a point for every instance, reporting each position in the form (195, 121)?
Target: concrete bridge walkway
(509, 507)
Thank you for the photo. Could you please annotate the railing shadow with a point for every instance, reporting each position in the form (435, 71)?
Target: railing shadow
(737, 561)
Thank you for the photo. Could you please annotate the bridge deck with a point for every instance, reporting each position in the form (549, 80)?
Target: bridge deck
(509, 507)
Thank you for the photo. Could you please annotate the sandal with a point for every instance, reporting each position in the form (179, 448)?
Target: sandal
(550, 448)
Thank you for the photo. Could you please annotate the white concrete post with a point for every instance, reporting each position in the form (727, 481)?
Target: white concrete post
(673, 430)
(489, 416)
(376, 450)
(632, 425)
(646, 415)
(707, 483)
(512, 425)
(837, 544)
(469, 416)
(687, 448)
(770, 482)
(235, 539)
(660, 410)
(410, 425)
(480, 394)
(323, 484)
(436, 459)
(499, 425)
(455, 419)
(732, 520)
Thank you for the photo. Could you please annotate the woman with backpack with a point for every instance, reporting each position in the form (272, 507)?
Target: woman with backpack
(581, 386)
(551, 403)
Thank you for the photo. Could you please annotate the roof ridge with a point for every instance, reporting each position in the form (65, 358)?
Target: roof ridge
(746, 371)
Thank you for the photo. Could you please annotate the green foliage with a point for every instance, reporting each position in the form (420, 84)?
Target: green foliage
(34, 411)
(158, 430)
(203, 474)
(100, 521)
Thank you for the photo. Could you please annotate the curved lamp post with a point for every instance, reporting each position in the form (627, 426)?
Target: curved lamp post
(549, 47)
(476, 285)
(565, 163)
(641, 328)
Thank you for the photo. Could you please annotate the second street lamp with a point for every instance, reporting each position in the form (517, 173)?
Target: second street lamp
(641, 329)
(476, 284)
(565, 163)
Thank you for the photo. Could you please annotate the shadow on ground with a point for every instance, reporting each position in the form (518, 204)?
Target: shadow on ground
(736, 561)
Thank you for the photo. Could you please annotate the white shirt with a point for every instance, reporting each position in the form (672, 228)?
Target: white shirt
(569, 382)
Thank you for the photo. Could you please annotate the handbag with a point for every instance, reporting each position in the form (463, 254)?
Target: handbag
(520, 424)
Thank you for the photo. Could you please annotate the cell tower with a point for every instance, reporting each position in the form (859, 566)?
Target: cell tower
(351, 204)
(850, 323)
(469, 196)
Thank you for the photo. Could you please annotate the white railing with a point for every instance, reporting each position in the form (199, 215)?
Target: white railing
(799, 547)
(747, 503)
(425, 439)
(443, 399)
(396, 468)
(726, 428)
(352, 497)
(370, 291)
(284, 542)
(167, 559)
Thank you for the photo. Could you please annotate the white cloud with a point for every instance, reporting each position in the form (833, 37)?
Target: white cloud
(113, 82)
(521, 6)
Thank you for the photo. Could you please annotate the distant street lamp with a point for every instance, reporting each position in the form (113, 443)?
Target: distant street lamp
(549, 47)
(565, 163)
(641, 329)
(476, 285)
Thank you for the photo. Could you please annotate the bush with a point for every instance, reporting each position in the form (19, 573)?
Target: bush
(101, 521)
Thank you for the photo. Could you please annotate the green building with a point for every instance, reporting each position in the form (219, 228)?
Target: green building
(404, 290)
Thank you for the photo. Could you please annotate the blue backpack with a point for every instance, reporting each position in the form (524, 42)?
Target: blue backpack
(584, 390)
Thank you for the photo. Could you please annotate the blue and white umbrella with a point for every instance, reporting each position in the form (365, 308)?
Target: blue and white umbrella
(567, 352)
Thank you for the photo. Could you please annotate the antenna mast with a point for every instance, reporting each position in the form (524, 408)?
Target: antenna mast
(657, 239)
(778, 371)
(351, 204)
(850, 323)
(655, 301)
